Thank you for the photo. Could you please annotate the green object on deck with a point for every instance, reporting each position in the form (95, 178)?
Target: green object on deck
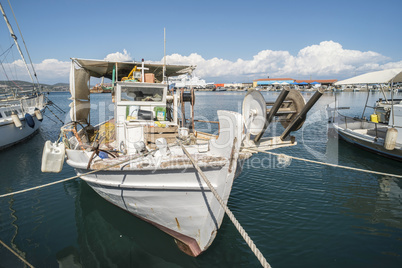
(113, 76)
(160, 113)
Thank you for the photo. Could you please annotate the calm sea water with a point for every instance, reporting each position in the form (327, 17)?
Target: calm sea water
(299, 215)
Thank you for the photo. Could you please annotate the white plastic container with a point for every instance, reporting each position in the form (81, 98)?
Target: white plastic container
(183, 132)
(161, 143)
(53, 157)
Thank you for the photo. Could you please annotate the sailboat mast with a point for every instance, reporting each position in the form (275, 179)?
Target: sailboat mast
(25, 45)
(15, 41)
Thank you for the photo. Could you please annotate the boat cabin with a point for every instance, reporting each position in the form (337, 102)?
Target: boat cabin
(139, 109)
(143, 109)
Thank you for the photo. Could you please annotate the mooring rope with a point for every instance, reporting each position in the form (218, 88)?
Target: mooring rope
(16, 254)
(239, 228)
(323, 163)
(78, 176)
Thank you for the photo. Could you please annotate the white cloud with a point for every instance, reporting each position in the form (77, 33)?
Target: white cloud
(52, 69)
(48, 71)
(118, 56)
(325, 60)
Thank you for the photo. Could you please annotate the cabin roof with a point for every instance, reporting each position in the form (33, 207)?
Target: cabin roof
(379, 77)
(102, 68)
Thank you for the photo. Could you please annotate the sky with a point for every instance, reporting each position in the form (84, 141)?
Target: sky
(229, 41)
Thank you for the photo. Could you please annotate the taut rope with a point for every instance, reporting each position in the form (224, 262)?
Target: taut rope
(239, 228)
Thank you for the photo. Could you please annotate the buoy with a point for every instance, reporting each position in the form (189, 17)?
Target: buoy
(38, 114)
(16, 120)
(30, 120)
(390, 139)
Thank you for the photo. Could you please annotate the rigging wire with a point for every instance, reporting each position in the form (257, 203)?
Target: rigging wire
(7, 50)
(4, 70)
(26, 48)
(10, 28)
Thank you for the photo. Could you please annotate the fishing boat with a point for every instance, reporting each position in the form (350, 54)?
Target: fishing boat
(382, 132)
(20, 110)
(149, 159)
(220, 89)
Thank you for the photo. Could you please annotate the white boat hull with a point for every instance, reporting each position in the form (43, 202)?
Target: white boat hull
(358, 134)
(167, 191)
(177, 201)
(11, 135)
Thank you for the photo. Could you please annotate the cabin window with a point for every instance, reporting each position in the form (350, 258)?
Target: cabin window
(8, 113)
(141, 94)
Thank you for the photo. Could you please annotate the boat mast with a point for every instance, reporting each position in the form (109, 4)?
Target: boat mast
(392, 102)
(15, 41)
(25, 45)
(164, 55)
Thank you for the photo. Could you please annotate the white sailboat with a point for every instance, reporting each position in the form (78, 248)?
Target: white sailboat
(382, 134)
(20, 112)
(138, 160)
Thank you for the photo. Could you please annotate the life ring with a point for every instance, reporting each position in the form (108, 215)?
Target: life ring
(30, 121)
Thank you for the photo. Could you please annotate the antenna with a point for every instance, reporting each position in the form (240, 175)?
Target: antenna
(164, 55)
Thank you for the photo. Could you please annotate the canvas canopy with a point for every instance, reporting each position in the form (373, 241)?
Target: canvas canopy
(79, 79)
(379, 77)
(79, 89)
(101, 68)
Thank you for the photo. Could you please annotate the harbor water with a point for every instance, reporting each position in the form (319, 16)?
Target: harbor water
(298, 214)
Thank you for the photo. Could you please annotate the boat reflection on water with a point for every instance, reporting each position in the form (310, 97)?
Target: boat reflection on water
(381, 213)
(387, 208)
(362, 198)
(111, 237)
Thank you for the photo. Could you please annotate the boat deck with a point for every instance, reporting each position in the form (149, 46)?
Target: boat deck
(378, 133)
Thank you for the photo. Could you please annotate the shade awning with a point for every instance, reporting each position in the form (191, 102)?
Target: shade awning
(379, 77)
(101, 68)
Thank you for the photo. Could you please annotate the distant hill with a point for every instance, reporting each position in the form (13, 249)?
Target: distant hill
(4, 85)
(61, 85)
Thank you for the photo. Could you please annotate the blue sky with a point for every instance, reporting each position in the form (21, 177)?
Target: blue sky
(230, 41)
